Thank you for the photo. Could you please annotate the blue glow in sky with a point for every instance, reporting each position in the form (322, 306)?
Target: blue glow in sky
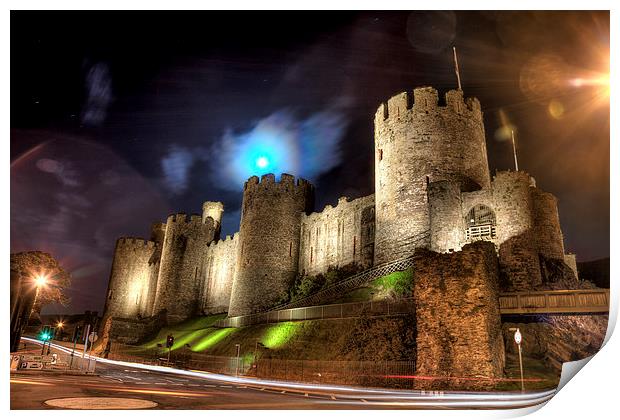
(282, 143)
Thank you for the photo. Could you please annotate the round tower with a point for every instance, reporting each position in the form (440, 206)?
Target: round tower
(418, 142)
(547, 224)
(269, 241)
(447, 231)
(214, 210)
(129, 278)
(513, 204)
(181, 265)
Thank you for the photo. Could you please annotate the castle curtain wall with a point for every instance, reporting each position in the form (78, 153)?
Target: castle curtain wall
(220, 270)
(338, 236)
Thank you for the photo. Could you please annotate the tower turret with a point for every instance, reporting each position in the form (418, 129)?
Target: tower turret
(181, 271)
(418, 142)
(214, 210)
(269, 241)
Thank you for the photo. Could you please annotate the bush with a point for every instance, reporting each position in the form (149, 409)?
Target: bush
(398, 284)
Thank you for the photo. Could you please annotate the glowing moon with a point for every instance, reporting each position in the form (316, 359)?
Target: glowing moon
(262, 162)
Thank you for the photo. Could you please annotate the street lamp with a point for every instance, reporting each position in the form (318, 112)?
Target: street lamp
(40, 280)
(237, 367)
(518, 341)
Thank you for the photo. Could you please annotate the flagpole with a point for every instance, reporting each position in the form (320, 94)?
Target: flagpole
(514, 149)
(456, 68)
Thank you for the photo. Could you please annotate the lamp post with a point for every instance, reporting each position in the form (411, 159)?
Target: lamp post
(237, 367)
(518, 341)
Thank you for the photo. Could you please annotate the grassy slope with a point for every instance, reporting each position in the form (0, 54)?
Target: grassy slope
(348, 339)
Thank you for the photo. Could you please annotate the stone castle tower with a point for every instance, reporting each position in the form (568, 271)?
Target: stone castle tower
(433, 190)
(269, 255)
(418, 142)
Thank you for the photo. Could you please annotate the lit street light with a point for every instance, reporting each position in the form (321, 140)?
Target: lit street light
(518, 341)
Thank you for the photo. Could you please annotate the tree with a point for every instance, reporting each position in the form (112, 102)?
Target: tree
(32, 264)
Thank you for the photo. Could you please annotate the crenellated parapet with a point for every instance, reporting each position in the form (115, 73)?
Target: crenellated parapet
(425, 101)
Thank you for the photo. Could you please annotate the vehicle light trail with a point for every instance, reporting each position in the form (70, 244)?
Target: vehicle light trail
(449, 399)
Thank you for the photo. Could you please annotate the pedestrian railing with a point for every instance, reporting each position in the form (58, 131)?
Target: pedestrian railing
(334, 311)
(350, 283)
(365, 373)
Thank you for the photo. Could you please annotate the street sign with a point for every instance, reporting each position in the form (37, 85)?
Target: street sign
(92, 337)
(518, 336)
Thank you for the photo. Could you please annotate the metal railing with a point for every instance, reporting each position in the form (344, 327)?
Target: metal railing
(366, 373)
(333, 311)
(344, 286)
(555, 302)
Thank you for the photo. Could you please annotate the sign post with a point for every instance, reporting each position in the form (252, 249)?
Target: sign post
(85, 344)
(518, 341)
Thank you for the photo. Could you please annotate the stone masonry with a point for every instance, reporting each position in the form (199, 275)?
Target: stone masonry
(457, 311)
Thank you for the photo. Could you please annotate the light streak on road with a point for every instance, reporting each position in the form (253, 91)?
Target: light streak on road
(451, 399)
(21, 381)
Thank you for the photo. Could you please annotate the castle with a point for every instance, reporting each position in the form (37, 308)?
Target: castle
(433, 190)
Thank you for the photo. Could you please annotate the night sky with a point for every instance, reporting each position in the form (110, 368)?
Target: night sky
(119, 119)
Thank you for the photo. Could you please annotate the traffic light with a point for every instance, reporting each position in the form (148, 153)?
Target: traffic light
(169, 341)
(46, 333)
(77, 332)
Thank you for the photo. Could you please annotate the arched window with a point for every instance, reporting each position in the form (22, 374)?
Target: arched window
(480, 224)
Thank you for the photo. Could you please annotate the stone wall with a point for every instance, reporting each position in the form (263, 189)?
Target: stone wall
(457, 311)
(182, 265)
(447, 231)
(549, 236)
(417, 142)
(130, 282)
(269, 241)
(220, 269)
(338, 236)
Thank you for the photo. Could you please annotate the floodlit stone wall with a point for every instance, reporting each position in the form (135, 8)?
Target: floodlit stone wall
(417, 141)
(269, 241)
(457, 313)
(182, 265)
(220, 269)
(338, 236)
(130, 282)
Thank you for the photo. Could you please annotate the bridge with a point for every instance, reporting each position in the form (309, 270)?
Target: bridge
(582, 301)
(553, 302)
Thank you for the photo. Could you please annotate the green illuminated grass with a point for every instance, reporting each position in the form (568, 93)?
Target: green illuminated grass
(211, 339)
(279, 334)
(187, 332)
(399, 283)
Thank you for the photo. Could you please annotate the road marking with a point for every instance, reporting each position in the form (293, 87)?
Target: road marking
(161, 383)
(306, 394)
(262, 389)
(225, 386)
(241, 387)
(283, 392)
(333, 398)
(363, 400)
(131, 377)
(209, 386)
(111, 377)
(193, 384)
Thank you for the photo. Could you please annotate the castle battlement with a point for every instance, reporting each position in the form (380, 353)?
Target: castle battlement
(513, 176)
(268, 182)
(425, 100)
(135, 242)
(344, 204)
(222, 242)
(193, 220)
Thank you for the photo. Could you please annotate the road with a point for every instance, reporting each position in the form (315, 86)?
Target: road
(172, 389)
